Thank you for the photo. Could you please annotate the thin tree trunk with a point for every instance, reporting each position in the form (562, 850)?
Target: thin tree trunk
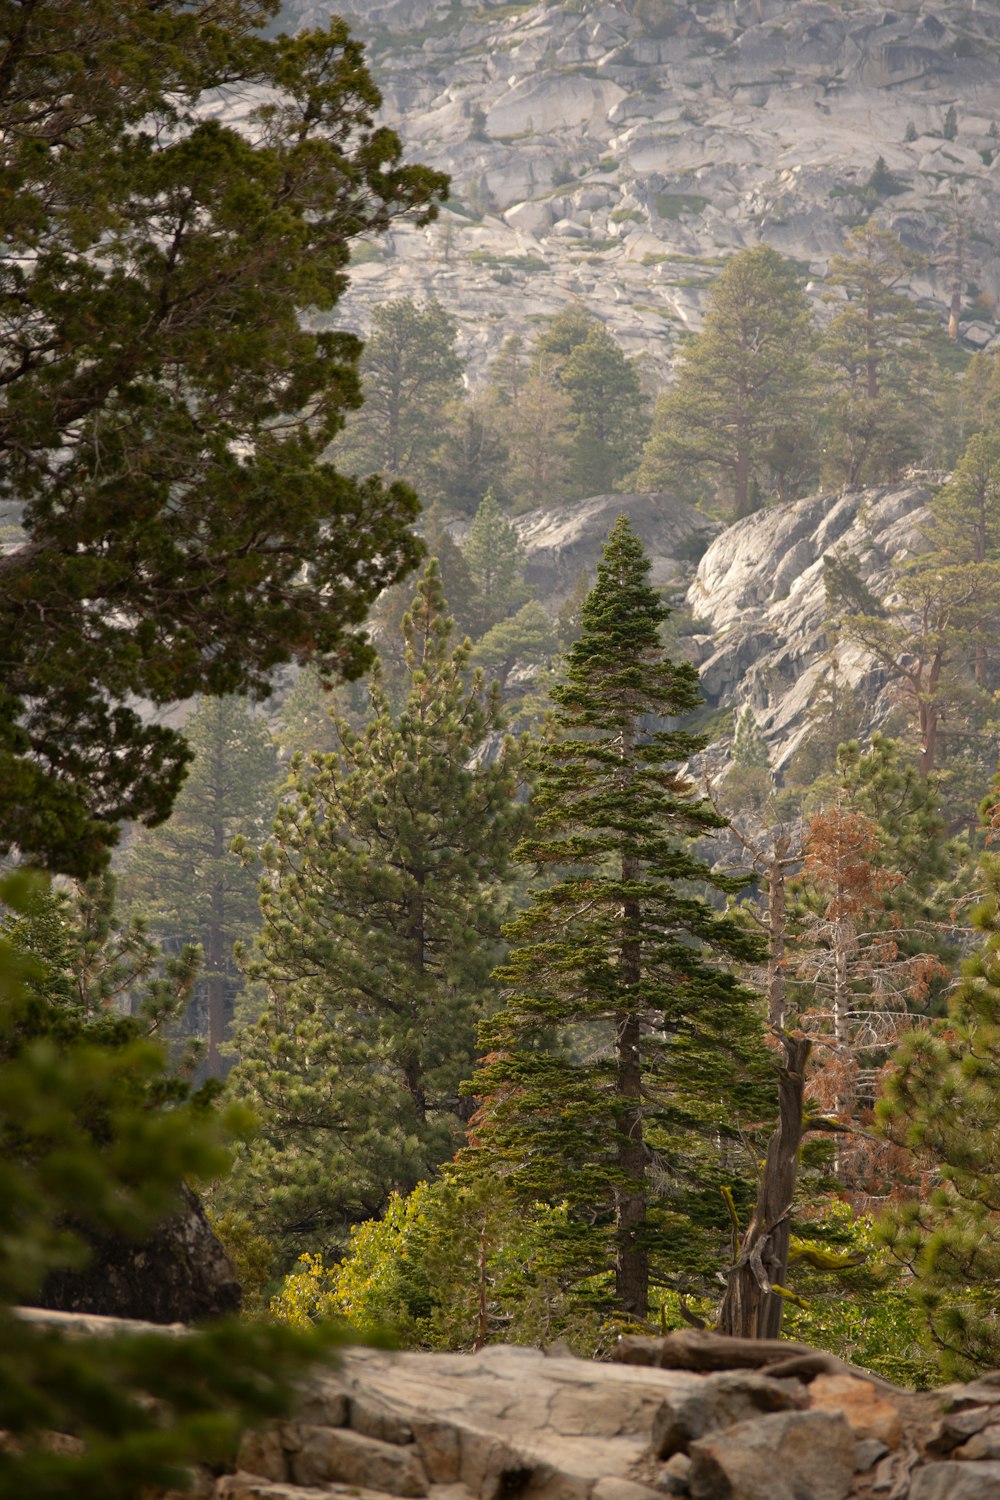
(751, 1309)
(632, 1259)
(215, 935)
(483, 1311)
(411, 1063)
(928, 720)
(631, 1255)
(741, 487)
(776, 924)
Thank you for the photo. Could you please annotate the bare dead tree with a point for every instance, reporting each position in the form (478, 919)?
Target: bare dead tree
(752, 1305)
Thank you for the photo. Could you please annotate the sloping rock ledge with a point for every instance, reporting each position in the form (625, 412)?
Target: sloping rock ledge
(518, 1424)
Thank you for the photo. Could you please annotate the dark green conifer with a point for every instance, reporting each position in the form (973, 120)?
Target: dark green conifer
(382, 900)
(624, 1054)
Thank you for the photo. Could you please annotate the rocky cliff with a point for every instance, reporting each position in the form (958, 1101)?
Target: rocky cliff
(760, 594)
(760, 618)
(690, 1415)
(614, 151)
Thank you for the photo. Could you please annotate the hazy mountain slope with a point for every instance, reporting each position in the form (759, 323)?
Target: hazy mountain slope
(614, 151)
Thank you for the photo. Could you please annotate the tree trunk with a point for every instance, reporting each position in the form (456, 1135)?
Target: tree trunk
(741, 481)
(776, 925)
(411, 1062)
(631, 1255)
(750, 1309)
(216, 941)
(929, 723)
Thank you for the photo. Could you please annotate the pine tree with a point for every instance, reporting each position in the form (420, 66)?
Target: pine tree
(739, 412)
(924, 637)
(873, 348)
(623, 1047)
(966, 531)
(382, 899)
(410, 371)
(472, 456)
(183, 877)
(943, 1104)
(538, 425)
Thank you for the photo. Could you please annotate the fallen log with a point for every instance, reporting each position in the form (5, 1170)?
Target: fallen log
(701, 1351)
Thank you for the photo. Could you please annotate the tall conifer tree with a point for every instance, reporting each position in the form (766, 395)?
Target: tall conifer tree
(739, 414)
(183, 877)
(623, 1047)
(382, 901)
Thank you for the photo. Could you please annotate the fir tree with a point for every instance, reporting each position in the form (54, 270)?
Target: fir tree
(183, 877)
(382, 900)
(494, 557)
(623, 1047)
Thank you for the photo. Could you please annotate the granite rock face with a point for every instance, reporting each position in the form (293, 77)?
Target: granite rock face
(179, 1274)
(508, 1423)
(757, 593)
(613, 152)
(561, 544)
(760, 590)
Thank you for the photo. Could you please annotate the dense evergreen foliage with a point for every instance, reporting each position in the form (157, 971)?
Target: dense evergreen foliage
(174, 417)
(623, 1053)
(381, 898)
(164, 412)
(942, 1103)
(740, 409)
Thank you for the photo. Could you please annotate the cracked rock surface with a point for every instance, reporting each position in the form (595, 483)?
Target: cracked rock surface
(597, 153)
(512, 1423)
(508, 1423)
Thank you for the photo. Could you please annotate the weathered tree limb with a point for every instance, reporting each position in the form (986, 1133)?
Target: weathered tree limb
(751, 1308)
